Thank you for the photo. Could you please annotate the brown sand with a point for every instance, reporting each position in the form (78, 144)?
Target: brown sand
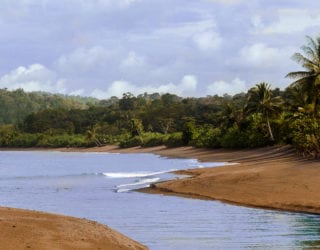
(267, 177)
(24, 229)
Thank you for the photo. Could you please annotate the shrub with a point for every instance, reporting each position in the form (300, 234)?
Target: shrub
(174, 140)
(306, 135)
(234, 138)
(24, 140)
(208, 137)
(56, 141)
(130, 142)
(189, 131)
(152, 139)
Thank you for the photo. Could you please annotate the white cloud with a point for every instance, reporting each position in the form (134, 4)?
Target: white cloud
(132, 60)
(77, 92)
(84, 59)
(152, 43)
(187, 87)
(293, 21)
(226, 1)
(36, 77)
(256, 21)
(203, 33)
(188, 83)
(95, 6)
(128, 2)
(221, 87)
(207, 40)
(260, 55)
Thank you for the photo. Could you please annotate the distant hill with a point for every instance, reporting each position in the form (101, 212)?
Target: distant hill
(16, 105)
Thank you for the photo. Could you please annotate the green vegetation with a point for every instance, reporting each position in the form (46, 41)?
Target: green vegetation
(262, 116)
(15, 105)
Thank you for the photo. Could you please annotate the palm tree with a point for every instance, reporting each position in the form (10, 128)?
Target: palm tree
(230, 115)
(297, 100)
(92, 136)
(309, 80)
(261, 100)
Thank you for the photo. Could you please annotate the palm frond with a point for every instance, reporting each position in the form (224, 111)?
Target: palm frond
(312, 44)
(306, 62)
(318, 47)
(303, 81)
(299, 74)
(310, 52)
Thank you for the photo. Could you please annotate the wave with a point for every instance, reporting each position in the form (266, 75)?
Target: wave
(141, 182)
(134, 174)
(123, 190)
(127, 190)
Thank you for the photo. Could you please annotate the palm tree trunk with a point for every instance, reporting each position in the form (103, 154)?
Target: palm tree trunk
(269, 129)
(316, 108)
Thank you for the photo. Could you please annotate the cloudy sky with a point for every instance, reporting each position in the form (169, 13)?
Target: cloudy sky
(103, 48)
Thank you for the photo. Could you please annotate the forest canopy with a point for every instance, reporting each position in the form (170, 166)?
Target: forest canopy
(262, 116)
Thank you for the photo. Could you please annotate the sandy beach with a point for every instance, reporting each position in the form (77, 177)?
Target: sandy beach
(24, 229)
(273, 178)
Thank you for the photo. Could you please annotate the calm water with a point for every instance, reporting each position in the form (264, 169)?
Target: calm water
(98, 186)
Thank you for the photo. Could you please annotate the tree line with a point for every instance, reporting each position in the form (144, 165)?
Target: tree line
(16, 105)
(262, 116)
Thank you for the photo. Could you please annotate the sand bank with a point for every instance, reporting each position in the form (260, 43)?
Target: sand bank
(24, 229)
(272, 177)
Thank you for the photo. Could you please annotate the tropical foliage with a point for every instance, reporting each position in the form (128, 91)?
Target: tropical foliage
(262, 116)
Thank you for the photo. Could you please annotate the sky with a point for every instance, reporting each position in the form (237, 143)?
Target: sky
(104, 48)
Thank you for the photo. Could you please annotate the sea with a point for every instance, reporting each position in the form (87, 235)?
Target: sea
(101, 187)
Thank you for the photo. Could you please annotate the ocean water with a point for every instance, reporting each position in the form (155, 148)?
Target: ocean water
(100, 187)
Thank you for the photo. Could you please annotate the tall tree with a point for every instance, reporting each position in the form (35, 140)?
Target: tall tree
(309, 80)
(260, 100)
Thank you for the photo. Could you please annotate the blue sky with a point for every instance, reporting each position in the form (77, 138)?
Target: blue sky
(103, 48)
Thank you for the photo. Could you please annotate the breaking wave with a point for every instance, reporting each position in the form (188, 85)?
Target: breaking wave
(134, 174)
(141, 182)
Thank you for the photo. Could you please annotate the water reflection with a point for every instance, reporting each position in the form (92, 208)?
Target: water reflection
(309, 224)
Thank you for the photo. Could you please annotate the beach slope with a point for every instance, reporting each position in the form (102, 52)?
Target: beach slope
(24, 229)
(268, 178)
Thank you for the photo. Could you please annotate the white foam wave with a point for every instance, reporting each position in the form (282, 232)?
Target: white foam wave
(134, 174)
(123, 190)
(145, 181)
(127, 190)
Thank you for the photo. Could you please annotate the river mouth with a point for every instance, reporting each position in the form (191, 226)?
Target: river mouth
(100, 186)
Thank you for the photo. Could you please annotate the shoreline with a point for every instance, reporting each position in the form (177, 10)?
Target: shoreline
(28, 229)
(268, 178)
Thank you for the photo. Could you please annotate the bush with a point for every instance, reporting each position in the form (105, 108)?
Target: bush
(152, 139)
(108, 139)
(306, 136)
(130, 142)
(174, 140)
(249, 138)
(24, 140)
(208, 137)
(62, 141)
(145, 140)
(189, 131)
(234, 138)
